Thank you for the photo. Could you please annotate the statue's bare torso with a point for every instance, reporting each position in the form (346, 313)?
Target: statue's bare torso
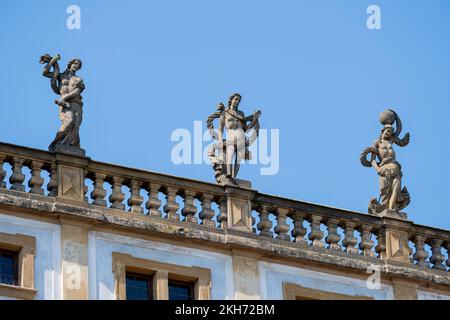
(385, 149)
(68, 83)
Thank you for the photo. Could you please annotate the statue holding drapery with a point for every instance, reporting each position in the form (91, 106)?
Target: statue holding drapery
(69, 87)
(393, 197)
(227, 153)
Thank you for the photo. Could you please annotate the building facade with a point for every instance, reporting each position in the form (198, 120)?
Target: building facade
(74, 228)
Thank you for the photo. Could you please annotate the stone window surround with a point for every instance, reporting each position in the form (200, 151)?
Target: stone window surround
(161, 272)
(25, 246)
(292, 291)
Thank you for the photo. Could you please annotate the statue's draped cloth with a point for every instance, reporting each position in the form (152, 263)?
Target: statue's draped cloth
(71, 117)
(390, 180)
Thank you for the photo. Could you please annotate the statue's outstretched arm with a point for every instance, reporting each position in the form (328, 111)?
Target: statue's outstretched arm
(210, 123)
(53, 75)
(402, 142)
(253, 118)
(397, 140)
(373, 151)
(50, 62)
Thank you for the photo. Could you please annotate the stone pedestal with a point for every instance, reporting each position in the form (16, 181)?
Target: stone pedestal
(71, 174)
(74, 151)
(243, 183)
(239, 206)
(397, 239)
(393, 214)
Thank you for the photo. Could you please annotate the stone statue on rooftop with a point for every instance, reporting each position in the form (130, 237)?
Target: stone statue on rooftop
(392, 197)
(69, 86)
(226, 154)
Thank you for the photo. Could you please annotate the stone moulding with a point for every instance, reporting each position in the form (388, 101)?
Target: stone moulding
(205, 235)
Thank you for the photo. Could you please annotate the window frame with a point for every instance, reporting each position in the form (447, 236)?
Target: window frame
(24, 247)
(161, 272)
(293, 291)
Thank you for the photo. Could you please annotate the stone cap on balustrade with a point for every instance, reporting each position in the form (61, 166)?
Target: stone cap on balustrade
(228, 217)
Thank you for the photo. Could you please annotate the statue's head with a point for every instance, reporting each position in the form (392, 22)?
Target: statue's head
(387, 131)
(234, 100)
(74, 65)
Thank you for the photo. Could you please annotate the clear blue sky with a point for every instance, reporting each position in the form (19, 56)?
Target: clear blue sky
(313, 68)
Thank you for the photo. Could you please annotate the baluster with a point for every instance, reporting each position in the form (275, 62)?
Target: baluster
(437, 258)
(366, 243)
(380, 249)
(265, 224)
(117, 196)
(223, 215)
(350, 241)
(207, 213)
(52, 185)
(2, 172)
(17, 178)
(171, 205)
(135, 199)
(316, 234)
(421, 255)
(153, 202)
(299, 230)
(36, 180)
(98, 193)
(85, 191)
(333, 237)
(447, 246)
(411, 251)
(282, 228)
(189, 209)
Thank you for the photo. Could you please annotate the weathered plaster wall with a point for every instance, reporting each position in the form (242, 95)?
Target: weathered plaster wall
(47, 276)
(228, 281)
(273, 275)
(102, 245)
(424, 295)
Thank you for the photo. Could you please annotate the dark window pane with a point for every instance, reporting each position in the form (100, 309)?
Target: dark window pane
(8, 267)
(180, 291)
(138, 287)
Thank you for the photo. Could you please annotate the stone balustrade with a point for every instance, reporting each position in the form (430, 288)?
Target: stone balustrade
(317, 226)
(429, 247)
(147, 193)
(241, 210)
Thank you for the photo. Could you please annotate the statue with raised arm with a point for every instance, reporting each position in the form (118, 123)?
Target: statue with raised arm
(69, 86)
(226, 154)
(393, 197)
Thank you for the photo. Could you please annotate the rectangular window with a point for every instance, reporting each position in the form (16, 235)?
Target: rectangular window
(141, 279)
(180, 290)
(138, 287)
(9, 267)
